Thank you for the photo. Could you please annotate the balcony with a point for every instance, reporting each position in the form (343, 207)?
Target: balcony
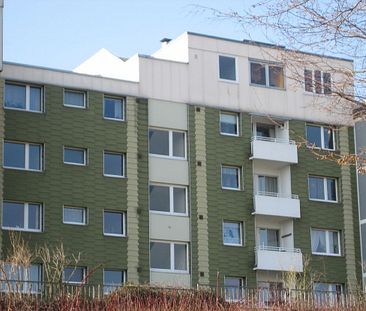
(276, 204)
(278, 259)
(274, 149)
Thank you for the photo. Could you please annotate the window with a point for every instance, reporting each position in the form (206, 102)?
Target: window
(267, 185)
(322, 188)
(23, 97)
(229, 124)
(23, 156)
(112, 280)
(114, 164)
(327, 294)
(232, 232)
(168, 199)
(230, 177)
(234, 288)
(270, 293)
(74, 275)
(21, 279)
(265, 130)
(74, 215)
(227, 68)
(169, 256)
(22, 216)
(75, 156)
(269, 237)
(114, 223)
(114, 108)
(320, 137)
(325, 242)
(167, 143)
(268, 75)
(317, 81)
(74, 99)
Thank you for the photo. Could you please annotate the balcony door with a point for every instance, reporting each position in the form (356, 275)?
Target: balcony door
(268, 185)
(265, 130)
(269, 237)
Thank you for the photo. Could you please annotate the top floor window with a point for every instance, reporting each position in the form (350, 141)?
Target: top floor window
(23, 97)
(268, 75)
(229, 123)
(227, 68)
(74, 99)
(317, 81)
(114, 108)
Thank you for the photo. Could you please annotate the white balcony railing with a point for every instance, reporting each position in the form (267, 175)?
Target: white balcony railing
(277, 204)
(278, 258)
(274, 149)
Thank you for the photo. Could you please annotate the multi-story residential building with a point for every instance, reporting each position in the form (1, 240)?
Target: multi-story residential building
(195, 165)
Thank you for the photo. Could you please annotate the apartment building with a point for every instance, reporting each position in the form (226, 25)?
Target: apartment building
(194, 165)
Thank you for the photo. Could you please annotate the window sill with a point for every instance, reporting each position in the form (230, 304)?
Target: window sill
(170, 271)
(169, 213)
(75, 164)
(21, 230)
(326, 254)
(323, 201)
(320, 149)
(115, 176)
(233, 245)
(115, 235)
(74, 224)
(229, 81)
(23, 110)
(114, 119)
(77, 107)
(230, 135)
(22, 169)
(232, 189)
(167, 157)
(267, 87)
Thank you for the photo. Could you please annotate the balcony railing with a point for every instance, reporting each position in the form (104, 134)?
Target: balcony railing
(274, 140)
(277, 249)
(278, 195)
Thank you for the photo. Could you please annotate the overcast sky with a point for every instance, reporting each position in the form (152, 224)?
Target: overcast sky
(63, 33)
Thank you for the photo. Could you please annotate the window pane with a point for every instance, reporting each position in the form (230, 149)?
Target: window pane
(327, 83)
(180, 257)
(13, 215)
(35, 103)
(265, 130)
(113, 108)
(276, 78)
(267, 184)
(113, 164)
(316, 188)
(159, 142)
(313, 136)
(228, 123)
(308, 75)
(273, 238)
(179, 196)
(76, 156)
(318, 241)
(160, 255)
(258, 73)
(14, 155)
(318, 82)
(113, 279)
(34, 211)
(333, 242)
(113, 223)
(74, 275)
(74, 215)
(35, 157)
(232, 233)
(328, 138)
(179, 144)
(74, 99)
(331, 187)
(233, 288)
(159, 198)
(35, 277)
(230, 177)
(227, 68)
(15, 96)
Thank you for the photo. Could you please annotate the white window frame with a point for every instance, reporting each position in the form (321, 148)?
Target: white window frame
(239, 177)
(123, 101)
(123, 163)
(237, 124)
(322, 127)
(325, 178)
(85, 215)
(74, 268)
(266, 69)
(327, 246)
(85, 152)
(26, 160)
(26, 217)
(171, 200)
(240, 229)
(313, 82)
(123, 224)
(236, 69)
(124, 275)
(172, 257)
(27, 97)
(77, 92)
(170, 156)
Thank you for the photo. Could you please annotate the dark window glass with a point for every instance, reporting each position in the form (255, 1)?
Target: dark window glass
(227, 68)
(228, 123)
(313, 136)
(160, 255)
(113, 164)
(179, 200)
(331, 189)
(316, 188)
(34, 211)
(73, 274)
(258, 73)
(179, 144)
(159, 198)
(75, 99)
(308, 75)
(14, 155)
(229, 177)
(318, 82)
(159, 142)
(327, 83)
(13, 215)
(75, 156)
(35, 103)
(113, 108)
(328, 138)
(15, 96)
(276, 78)
(35, 157)
(113, 223)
